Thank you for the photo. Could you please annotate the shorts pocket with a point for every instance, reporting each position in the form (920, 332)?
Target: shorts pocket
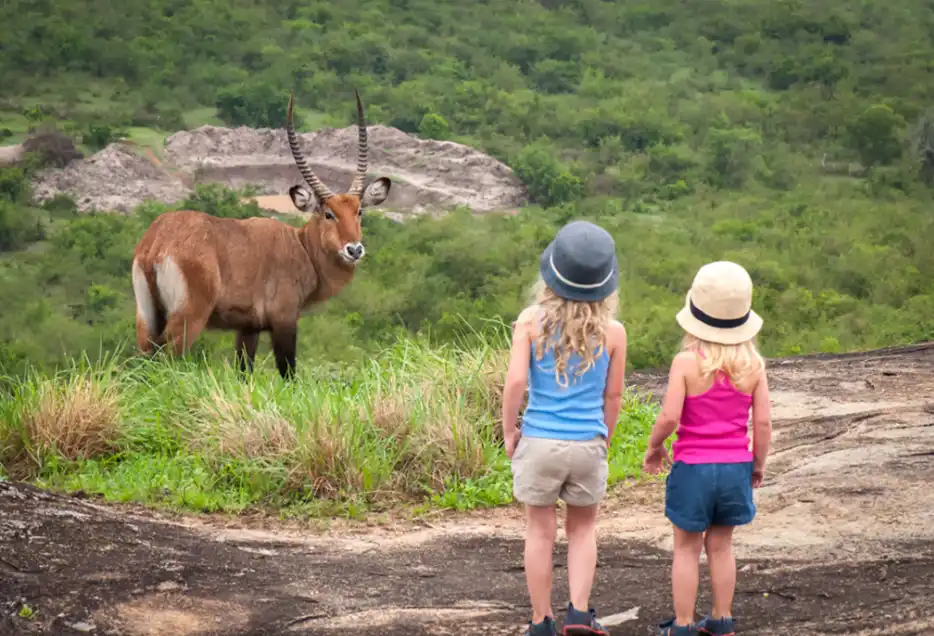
(602, 450)
(735, 505)
(521, 446)
(672, 481)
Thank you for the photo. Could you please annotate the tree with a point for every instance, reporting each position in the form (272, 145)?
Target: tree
(922, 145)
(732, 151)
(550, 182)
(254, 104)
(434, 126)
(877, 135)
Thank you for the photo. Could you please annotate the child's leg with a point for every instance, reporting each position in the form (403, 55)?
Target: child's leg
(541, 527)
(538, 475)
(734, 507)
(719, 546)
(689, 497)
(581, 528)
(685, 574)
(583, 491)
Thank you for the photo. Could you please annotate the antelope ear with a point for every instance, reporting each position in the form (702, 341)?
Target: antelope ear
(376, 192)
(303, 198)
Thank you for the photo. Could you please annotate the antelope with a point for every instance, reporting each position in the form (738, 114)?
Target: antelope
(192, 271)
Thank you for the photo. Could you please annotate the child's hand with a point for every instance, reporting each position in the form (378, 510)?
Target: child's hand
(655, 458)
(511, 440)
(758, 476)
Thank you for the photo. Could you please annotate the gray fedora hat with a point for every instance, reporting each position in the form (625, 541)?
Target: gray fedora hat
(580, 263)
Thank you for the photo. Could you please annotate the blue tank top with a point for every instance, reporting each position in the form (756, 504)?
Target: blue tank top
(574, 412)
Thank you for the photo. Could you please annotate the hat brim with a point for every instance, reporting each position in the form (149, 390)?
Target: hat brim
(734, 335)
(569, 292)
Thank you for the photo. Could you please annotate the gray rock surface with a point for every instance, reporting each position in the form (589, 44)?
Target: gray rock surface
(428, 176)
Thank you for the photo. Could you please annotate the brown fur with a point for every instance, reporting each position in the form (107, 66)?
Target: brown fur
(249, 275)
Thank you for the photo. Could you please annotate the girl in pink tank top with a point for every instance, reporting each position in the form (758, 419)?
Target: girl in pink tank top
(714, 427)
(715, 383)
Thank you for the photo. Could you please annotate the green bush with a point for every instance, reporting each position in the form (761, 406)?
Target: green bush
(434, 126)
(691, 131)
(877, 135)
(549, 180)
(257, 103)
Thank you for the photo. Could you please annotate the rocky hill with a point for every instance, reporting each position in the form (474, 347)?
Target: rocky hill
(428, 176)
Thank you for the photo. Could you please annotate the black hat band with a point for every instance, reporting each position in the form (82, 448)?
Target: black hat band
(720, 323)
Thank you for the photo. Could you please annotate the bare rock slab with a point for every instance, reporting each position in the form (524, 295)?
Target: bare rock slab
(428, 176)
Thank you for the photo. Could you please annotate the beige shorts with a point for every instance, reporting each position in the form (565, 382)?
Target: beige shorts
(544, 470)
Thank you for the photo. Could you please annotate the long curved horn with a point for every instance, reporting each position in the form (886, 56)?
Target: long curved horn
(320, 190)
(356, 188)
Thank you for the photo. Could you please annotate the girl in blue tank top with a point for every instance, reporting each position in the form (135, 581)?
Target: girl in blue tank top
(570, 354)
(571, 411)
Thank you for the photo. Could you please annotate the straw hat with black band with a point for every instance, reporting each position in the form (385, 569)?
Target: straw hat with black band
(718, 308)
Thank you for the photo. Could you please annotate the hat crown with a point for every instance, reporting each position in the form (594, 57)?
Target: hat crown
(722, 290)
(584, 254)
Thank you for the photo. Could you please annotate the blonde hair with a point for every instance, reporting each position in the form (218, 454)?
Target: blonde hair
(570, 327)
(738, 361)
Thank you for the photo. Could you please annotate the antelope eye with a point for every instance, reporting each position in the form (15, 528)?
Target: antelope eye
(329, 215)
(360, 212)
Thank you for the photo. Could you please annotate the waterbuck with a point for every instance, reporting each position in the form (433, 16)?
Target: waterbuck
(193, 271)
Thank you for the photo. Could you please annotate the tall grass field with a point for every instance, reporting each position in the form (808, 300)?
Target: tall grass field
(418, 426)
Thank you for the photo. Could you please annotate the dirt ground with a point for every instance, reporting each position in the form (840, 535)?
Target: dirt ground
(842, 544)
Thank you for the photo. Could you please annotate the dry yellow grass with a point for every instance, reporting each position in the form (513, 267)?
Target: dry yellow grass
(416, 421)
(78, 420)
(237, 429)
(328, 460)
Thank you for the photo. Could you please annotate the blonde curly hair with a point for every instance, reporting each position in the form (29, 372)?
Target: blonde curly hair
(570, 327)
(739, 361)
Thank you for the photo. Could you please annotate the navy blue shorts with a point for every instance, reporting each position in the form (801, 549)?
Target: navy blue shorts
(698, 496)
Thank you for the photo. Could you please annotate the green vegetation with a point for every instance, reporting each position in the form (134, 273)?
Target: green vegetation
(795, 138)
(834, 273)
(416, 422)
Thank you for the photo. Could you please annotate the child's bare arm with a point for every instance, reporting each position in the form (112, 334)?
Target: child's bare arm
(613, 393)
(517, 375)
(670, 414)
(761, 423)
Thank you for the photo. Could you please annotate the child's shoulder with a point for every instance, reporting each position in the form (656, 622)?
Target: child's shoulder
(683, 358)
(526, 316)
(616, 336)
(685, 363)
(524, 324)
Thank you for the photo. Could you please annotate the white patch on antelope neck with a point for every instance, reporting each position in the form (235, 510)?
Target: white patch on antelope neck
(144, 301)
(171, 285)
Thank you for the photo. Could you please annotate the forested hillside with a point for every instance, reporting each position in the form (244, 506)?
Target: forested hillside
(794, 137)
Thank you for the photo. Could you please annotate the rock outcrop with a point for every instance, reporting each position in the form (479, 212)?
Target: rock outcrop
(428, 176)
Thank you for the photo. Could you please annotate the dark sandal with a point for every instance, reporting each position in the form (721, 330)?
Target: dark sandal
(720, 627)
(668, 628)
(580, 623)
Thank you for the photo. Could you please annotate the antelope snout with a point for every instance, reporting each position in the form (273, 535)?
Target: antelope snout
(354, 251)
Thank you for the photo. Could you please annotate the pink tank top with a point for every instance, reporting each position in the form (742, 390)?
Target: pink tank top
(714, 426)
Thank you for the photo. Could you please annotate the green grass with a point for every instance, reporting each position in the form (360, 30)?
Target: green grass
(416, 427)
(312, 119)
(206, 116)
(147, 138)
(17, 124)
